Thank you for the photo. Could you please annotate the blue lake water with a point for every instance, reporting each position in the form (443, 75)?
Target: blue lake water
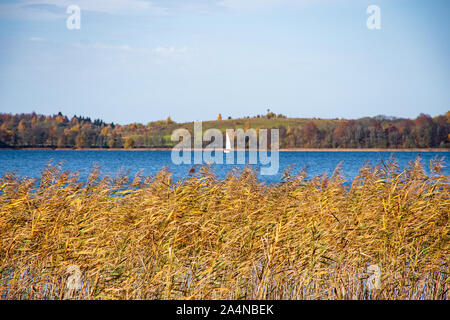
(30, 163)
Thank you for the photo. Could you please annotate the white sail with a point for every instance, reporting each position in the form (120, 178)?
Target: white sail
(227, 143)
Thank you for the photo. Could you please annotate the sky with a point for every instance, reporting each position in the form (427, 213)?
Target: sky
(141, 61)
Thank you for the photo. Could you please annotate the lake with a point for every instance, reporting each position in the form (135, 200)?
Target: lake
(30, 163)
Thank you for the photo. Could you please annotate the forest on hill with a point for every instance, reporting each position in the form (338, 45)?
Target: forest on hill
(58, 131)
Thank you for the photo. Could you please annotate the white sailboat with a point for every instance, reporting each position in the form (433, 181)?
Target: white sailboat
(227, 143)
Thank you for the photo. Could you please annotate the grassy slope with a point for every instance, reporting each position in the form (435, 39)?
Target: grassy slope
(255, 123)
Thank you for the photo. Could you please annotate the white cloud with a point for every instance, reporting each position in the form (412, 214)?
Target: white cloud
(36, 39)
(23, 12)
(248, 4)
(39, 9)
(262, 4)
(105, 6)
(102, 46)
(56, 9)
(170, 51)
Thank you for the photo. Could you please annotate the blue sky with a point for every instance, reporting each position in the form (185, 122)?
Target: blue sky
(139, 60)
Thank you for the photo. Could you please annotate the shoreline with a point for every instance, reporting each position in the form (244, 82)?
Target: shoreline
(281, 150)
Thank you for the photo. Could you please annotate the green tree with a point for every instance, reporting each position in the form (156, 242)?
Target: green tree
(129, 143)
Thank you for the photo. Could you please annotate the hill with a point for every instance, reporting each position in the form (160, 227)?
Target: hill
(58, 131)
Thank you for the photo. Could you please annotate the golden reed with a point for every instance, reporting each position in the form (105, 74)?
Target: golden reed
(384, 237)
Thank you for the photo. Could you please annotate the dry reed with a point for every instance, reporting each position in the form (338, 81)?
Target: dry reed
(205, 238)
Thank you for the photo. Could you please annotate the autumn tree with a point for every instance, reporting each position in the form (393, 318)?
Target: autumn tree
(424, 131)
(129, 143)
(33, 130)
(310, 134)
(169, 120)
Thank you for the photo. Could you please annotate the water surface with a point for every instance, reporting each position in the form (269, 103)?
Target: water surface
(31, 162)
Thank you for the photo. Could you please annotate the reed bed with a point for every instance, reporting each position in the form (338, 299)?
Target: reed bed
(235, 238)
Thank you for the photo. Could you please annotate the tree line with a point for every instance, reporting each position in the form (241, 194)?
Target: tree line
(58, 131)
(375, 132)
